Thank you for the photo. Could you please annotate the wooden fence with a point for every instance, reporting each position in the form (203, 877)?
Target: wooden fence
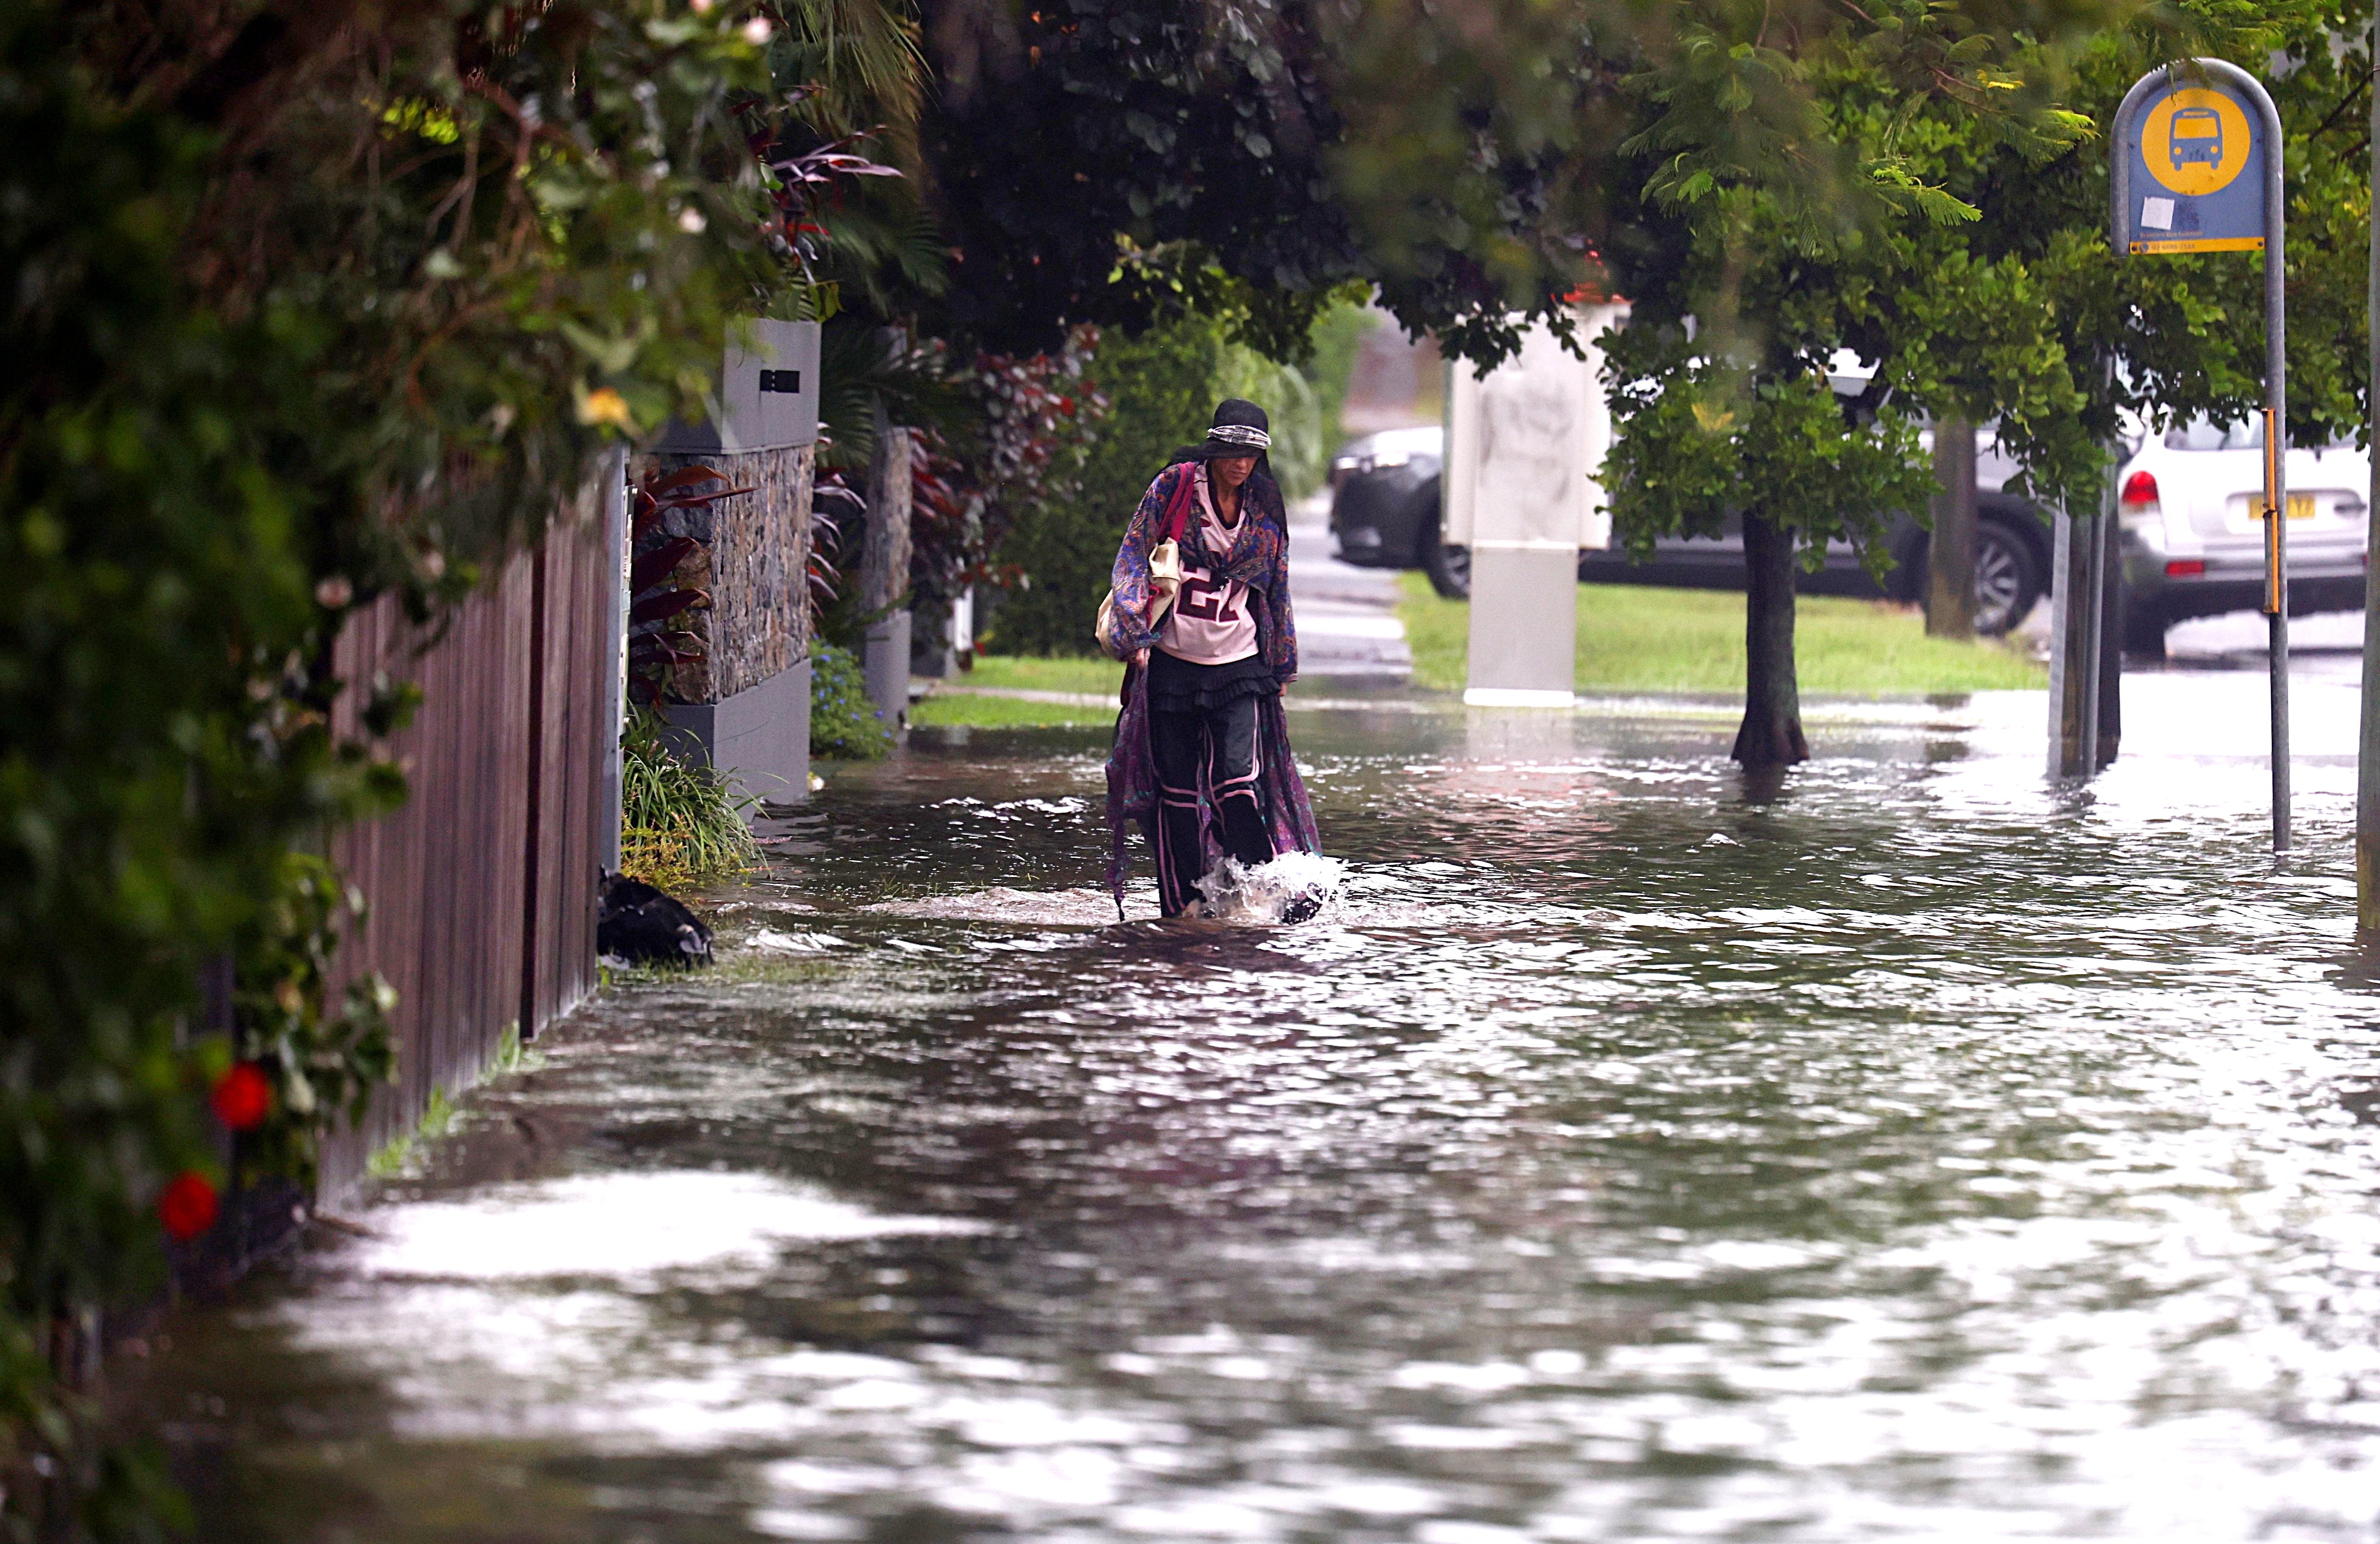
(481, 888)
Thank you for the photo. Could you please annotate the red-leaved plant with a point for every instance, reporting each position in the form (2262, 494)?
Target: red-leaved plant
(660, 629)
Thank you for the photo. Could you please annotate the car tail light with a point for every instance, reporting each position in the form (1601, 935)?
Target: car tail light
(2186, 568)
(2138, 503)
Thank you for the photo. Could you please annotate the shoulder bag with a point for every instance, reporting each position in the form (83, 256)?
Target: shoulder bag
(1164, 567)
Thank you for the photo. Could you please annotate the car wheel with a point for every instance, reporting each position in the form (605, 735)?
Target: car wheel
(1448, 567)
(2008, 578)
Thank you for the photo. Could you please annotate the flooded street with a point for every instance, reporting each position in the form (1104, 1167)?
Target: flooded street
(1913, 1151)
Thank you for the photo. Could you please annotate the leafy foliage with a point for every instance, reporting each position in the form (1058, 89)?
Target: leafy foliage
(1152, 395)
(844, 723)
(679, 823)
(1956, 240)
(669, 524)
(1162, 391)
(804, 183)
(1018, 447)
(1337, 336)
(501, 241)
(2187, 331)
(1704, 445)
(1125, 163)
(950, 534)
(300, 309)
(166, 740)
(321, 1056)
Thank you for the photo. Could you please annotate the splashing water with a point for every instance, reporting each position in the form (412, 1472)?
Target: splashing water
(1261, 894)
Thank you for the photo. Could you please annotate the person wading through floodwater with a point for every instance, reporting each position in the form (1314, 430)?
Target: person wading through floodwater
(1201, 756)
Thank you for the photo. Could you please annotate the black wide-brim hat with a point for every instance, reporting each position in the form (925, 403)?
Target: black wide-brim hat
(1240, 429)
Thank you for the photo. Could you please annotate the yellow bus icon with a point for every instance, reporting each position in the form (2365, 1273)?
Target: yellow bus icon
(2196, 135)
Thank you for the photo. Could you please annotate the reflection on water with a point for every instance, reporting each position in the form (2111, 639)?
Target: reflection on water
(1924, 1153)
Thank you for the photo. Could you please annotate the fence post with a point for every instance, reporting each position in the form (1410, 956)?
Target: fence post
(613, 481)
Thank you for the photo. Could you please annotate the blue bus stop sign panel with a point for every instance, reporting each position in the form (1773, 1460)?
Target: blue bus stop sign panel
(2198, 172)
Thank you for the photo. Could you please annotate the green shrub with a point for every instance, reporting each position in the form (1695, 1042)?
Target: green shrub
(679, 822)
(1162, 389)
(362, 342)
(844, 723)
(1338, 333)
(1299, 456)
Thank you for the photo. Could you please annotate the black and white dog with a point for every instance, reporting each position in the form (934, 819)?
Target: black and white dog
(638, 924)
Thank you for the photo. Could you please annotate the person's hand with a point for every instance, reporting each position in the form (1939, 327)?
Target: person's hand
(1141, 659)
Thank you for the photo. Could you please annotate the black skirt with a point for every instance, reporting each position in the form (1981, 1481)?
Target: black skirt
(1175, 686)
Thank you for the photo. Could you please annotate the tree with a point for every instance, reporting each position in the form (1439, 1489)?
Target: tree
(1123, 162)
(1969, 263)
(1706, 441)
(1742, 293)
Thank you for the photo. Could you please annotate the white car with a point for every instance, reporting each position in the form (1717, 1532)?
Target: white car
(2189, 504)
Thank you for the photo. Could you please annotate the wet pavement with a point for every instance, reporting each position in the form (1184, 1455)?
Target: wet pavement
(1909, 1150)
(1347, 623)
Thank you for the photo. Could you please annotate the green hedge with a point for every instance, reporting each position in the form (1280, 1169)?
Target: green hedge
(1163, 387)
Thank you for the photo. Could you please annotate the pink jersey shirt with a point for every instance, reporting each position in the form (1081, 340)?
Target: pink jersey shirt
(1211, 623)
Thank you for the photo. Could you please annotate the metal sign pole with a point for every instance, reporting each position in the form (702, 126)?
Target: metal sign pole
(2277, 431)
(2367, 758)
(2194, 143)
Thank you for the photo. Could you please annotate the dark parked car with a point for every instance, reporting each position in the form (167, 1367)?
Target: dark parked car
(1384, 507)
(1385, 512)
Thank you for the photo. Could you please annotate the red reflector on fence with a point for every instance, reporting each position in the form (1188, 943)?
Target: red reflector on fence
(2185, 568)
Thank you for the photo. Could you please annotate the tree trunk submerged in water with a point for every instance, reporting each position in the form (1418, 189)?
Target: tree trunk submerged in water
(1771, 736)
(1950, 551)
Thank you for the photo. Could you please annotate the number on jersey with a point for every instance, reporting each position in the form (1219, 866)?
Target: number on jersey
(1206, 599)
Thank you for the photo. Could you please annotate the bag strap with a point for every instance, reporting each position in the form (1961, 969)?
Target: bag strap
(1177, 509)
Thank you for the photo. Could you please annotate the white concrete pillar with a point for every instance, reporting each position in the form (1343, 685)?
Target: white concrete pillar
(743, 707)
(1524, 448)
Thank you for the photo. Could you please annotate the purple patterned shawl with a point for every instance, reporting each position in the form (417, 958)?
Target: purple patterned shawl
(1260, 560)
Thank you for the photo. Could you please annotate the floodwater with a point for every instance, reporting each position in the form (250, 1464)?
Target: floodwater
(1911, 1150)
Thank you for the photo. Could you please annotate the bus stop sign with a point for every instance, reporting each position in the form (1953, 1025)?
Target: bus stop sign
(2194, 165)
(2195, 149)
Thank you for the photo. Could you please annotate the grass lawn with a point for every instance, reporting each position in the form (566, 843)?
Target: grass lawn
(1091, 678)
(1095, 674)
(1636, 638)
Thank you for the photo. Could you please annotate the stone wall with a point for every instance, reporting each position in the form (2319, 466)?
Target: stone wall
(754, 564)
(884, 572)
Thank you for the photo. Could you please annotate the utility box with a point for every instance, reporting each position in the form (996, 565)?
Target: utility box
(1524, 449)
(767, 395)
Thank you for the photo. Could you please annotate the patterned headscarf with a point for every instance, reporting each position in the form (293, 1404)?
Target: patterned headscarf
(1240, 429)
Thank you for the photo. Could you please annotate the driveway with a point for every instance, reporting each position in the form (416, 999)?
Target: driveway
(1347, 625)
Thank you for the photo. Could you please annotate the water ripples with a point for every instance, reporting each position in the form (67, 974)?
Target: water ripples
(1917, 1152)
